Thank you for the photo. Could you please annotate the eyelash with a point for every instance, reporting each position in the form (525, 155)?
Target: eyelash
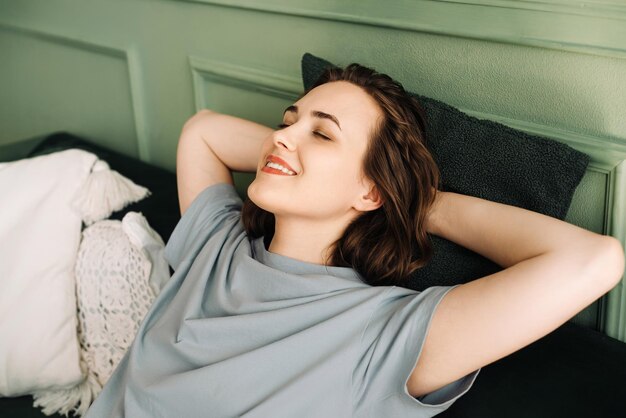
(284, 125)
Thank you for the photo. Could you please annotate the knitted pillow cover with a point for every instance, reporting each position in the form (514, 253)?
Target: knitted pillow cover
(120, 269)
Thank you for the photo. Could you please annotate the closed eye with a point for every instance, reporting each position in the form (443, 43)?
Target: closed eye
(316, 133)
(321, 135)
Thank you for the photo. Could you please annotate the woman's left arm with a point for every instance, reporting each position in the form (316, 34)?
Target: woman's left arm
(553, 270)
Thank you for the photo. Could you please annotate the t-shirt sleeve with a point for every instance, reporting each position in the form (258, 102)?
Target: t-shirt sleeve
(390, 346)
(215, 208)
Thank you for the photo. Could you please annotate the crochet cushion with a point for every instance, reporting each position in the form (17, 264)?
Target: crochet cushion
(120, 268)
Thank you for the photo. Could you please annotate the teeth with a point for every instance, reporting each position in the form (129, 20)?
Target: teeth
(279, 167)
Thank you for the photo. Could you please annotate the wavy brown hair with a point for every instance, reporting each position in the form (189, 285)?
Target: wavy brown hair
(386, 244)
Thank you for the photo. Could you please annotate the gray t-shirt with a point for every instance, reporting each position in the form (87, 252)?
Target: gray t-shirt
(238, 331)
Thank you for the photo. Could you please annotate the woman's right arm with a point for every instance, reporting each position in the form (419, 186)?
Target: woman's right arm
(211, 145)
(553, 270)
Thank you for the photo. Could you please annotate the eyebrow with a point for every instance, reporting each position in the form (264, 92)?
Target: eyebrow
(315, 113)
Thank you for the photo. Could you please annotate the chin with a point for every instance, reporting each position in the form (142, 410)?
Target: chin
(260, 197)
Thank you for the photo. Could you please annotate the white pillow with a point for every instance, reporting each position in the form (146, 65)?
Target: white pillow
(39, 238)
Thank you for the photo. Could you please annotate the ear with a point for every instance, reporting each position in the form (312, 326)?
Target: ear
(370, 200)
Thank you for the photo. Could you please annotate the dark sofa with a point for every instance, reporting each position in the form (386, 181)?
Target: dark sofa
(572, 372)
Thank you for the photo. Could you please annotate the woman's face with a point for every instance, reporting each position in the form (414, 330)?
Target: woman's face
(311, 167)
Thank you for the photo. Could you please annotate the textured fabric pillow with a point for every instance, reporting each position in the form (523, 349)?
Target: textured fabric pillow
(488, 160)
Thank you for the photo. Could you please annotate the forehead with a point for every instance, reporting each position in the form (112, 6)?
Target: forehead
(355, 109)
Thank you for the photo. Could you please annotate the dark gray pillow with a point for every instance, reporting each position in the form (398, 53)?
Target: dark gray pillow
(489, 160)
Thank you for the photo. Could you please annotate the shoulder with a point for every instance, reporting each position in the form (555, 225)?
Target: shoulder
(214, 214)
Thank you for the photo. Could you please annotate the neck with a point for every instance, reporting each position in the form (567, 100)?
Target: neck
(309, 241)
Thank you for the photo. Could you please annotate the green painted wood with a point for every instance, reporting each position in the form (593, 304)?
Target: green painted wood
(589, 27)
(70, 85)
(615, 312)
(129, 73)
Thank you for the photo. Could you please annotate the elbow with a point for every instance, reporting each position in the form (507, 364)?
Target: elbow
(201, 112)
(199, 118)
(610, 261)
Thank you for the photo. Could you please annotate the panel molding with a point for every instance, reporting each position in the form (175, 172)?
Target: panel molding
(246, 77)
(129, 55)
(606, 10)
(584, 27)
(615, 324)
(139, 103)
(66, 40)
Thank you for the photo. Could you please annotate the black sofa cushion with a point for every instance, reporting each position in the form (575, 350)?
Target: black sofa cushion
(573, 372)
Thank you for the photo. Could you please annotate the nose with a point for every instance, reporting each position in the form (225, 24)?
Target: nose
(283, 139)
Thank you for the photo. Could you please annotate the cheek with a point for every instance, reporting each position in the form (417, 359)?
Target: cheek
(332, 184)
(339, 172)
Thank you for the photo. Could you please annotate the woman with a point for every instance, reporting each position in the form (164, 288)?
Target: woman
(293, 310)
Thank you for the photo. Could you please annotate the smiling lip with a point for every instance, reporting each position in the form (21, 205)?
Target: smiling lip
(277, 160)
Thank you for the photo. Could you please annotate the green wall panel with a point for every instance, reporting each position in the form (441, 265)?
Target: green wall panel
(128, 74)
(586, 211)
(50, 84)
